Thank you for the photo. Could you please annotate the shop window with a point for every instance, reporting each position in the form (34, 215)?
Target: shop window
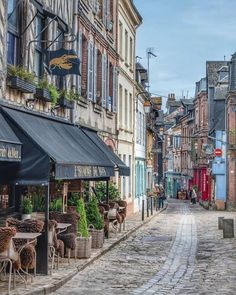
(4, 197)
(13, 32)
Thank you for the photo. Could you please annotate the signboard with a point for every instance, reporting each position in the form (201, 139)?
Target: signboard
(67, 171)
(218, 152)
(10, 152)
(157, 102)
(208, 148)
(62, 62)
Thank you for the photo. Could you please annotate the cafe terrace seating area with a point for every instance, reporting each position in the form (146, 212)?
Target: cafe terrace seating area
(19, 242)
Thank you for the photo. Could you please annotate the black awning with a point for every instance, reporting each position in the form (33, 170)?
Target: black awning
(10, 145)
(73, 153)
(123, 169)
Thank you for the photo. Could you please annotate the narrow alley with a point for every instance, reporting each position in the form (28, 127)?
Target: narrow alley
(173, 254)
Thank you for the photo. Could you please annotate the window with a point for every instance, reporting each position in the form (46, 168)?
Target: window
(99, 78)
(5, 201)
(126, 46)
(130, 164)
(104, 80)
(38, 60)
(13, 32)
(124, 178)
(79, 49)
(126, 107)
(120, 39)
(131, 52)
(120, 105)
(130, 111)
(114, 88)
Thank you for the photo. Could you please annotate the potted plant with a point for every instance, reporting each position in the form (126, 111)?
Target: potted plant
(113, 191)
(27, 208)
(72, 202)
(21, 79)
(67, 98)
(83, 241)
(95, 222)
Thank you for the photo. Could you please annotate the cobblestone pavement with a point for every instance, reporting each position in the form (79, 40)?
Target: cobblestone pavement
(180, 251)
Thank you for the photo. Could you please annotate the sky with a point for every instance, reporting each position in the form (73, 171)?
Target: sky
(184, 34)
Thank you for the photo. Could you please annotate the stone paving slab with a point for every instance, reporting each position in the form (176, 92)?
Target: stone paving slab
(46, 284)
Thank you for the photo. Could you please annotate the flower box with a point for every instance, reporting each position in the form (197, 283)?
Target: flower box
(21, 85)
(43, 94)
(65, 103)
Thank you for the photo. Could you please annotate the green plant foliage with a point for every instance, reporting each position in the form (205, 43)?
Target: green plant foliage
(38, 202)
(70, 95)
(82, 224)
(56, 205)
(27, 207)
(20, 72)
(93, 215)
(73, 199)
(53, 93)
(100, 189)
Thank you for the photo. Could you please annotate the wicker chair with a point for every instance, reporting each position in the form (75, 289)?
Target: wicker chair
(102, 208)
(122, 212)
(28, 253)
(70, 234)
(8, 253)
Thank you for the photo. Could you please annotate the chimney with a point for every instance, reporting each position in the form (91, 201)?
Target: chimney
(233, 73)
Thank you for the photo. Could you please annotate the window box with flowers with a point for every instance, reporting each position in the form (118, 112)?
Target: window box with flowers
(67, 99)
(20, 79)
(47, 92)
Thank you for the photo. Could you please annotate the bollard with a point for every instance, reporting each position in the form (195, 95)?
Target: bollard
(151, 205)
(156, 204)
(220, 222)
(147, 207)
(228, 228)
(142, 210)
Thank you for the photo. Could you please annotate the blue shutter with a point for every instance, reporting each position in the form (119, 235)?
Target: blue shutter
(104, 74)
(79, 49)
(114, 89)
(108, 106)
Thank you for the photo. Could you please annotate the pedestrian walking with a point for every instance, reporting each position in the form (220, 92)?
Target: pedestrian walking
(161, 197)
(193, 196)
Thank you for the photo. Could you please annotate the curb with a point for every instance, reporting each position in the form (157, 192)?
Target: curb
(47, 289)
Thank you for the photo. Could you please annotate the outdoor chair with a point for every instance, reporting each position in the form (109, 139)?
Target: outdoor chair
(28, 253)
(102, 209)
(8, 254)
(56, 246)
(69, 235)
(123, 211)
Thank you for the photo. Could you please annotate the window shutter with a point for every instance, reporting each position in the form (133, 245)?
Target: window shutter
(79, 49)
(108, 106)
(104, 74)
(108, 18)
(90, 71)
(114, 89)
(95, 75)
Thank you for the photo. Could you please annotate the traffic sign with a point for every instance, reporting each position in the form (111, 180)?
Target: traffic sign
(218, 152)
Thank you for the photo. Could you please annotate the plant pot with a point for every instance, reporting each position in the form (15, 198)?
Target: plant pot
(21, 85)
(83, 247)
(25, 216)
(43, 94)
(97, 236)
(65, 103)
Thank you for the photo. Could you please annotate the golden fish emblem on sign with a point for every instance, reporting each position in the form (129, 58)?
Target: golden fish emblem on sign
(62, 62)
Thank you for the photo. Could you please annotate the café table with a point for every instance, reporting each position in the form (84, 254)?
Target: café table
(29, 238)
(61, 227)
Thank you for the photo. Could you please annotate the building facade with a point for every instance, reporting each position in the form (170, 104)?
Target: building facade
(128, 21)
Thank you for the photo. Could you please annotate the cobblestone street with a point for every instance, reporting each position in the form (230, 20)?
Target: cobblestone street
(180, 251)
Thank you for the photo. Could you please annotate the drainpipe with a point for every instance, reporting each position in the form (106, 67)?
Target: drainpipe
(74, 45)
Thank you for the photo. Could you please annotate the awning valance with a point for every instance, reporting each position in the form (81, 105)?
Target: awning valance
(46, 141)
(120, 165)
(10, 145)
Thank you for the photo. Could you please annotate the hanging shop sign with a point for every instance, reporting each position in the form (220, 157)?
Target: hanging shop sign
(62, 62)
(10, 152)
(157, 102)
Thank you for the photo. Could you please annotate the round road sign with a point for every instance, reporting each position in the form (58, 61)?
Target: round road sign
(218, 152)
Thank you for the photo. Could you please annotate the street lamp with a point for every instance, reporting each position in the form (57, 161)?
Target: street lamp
(147, 106)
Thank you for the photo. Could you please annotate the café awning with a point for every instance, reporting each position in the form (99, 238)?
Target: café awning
(118, 163)
(55, 148)
(10, 145)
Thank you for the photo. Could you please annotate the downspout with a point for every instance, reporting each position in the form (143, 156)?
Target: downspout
(75, 33)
